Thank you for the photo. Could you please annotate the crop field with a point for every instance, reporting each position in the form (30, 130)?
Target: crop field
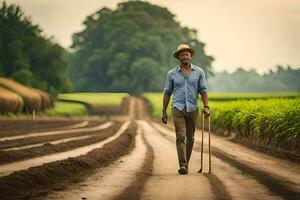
(67, 109)
(270, 121)
(274, 121)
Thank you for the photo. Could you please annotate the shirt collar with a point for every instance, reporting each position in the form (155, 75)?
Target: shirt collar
(179, 68)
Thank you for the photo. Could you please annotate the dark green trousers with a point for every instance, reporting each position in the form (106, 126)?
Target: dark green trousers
(185, 126)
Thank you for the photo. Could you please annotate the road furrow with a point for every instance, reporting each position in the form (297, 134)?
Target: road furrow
(108, 182)
(22, 165)
(58, 132)
(51, 143)
(79, 125)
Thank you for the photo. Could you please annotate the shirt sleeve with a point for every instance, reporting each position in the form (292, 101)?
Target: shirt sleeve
(202, 87)
(169, 85)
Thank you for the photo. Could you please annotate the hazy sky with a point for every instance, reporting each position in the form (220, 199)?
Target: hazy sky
(238, 33)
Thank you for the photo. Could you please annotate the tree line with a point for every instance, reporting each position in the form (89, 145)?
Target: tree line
(280, 79)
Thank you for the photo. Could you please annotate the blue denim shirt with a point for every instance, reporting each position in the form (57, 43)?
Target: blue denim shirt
(185, 89)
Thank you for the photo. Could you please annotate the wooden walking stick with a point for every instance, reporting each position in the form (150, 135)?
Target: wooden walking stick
(209, 152)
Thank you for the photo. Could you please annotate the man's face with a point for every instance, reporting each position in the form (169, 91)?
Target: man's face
(185, 57)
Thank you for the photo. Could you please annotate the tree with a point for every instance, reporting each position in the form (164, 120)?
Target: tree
(129, 49)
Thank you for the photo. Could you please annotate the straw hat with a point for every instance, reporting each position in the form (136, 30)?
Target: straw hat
(181, 48)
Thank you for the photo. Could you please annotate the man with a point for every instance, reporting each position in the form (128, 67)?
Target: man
(185, 81)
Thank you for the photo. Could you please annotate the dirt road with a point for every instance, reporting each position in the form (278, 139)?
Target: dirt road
(147, 168)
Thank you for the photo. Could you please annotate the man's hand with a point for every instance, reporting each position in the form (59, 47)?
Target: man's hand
(206, 112)
(164, 117)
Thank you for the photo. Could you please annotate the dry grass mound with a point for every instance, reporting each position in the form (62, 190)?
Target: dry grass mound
(10, 101)
(33, 99)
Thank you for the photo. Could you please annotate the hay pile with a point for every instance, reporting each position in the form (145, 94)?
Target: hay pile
(16, 97)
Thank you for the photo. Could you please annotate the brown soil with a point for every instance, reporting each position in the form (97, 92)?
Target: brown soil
(46, 138)
(39, 181)
(274, 183)
(17, 127)
(276, 152)
(17, 155)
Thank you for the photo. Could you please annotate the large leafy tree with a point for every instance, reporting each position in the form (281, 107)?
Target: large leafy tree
(29, 57)
(129, 49)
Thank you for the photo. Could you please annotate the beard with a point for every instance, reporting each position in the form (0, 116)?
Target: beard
(185, 62)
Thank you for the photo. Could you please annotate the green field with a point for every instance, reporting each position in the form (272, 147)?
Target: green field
(95, 99)
(228, 96)
(76, 109)
(67, 109)
(155, 99)
(274, 122)
(270, 121)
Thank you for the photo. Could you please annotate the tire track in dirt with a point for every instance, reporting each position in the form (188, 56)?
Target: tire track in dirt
(217, 187)
(271, 182)
(273, 166)
(131, 109)
(165, 182)
(135, 189)
(140, 110)
(22, 165)
(257, 160)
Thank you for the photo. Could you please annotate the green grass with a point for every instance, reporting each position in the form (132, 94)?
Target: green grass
(77, 109)
(95, 99)
(67, 109)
